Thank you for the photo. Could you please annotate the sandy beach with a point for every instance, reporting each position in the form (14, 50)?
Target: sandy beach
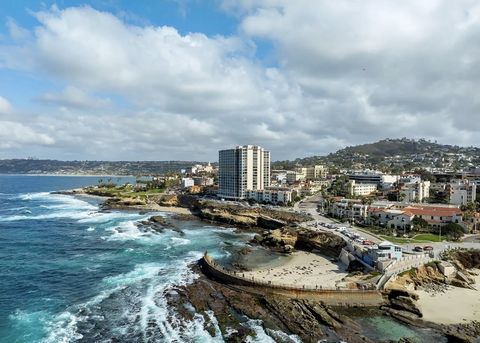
(302, 268)
(456, 305)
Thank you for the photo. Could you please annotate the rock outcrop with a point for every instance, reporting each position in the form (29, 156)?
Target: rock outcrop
(232, 308)
(247, 217)
(431, 278)
(289, 238)
(325, 242)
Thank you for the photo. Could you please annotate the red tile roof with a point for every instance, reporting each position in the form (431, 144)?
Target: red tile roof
(433, 211)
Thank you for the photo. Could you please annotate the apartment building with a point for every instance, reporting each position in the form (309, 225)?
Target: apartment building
(274, 195)
(294, 176)
(462, 192)
(347, 208)
(361, 189)
(415, 192)
(313, 173)
(241, 169)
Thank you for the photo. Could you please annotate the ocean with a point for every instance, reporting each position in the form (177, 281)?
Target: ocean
(71, 273)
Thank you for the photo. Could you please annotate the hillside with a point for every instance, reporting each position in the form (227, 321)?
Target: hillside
(33, 166)
(396, 154)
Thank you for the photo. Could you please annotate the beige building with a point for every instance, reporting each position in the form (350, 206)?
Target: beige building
(416, 192)
(313, 173)
(361, 189)
(462, 192)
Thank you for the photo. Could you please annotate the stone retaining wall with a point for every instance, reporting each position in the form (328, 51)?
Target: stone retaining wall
(332, 297)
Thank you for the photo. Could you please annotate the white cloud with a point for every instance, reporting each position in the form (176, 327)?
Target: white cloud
(16, 32)
(74, 97)
(5, 106)
(13, 134)
(348, 72)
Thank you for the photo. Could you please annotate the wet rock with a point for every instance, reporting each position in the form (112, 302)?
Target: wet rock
(406, 304)
(404, 316)
(244, 251)
(297, 317)
(159, 220)
(323, 316)
(464, 332)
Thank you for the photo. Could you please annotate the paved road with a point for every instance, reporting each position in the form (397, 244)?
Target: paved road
(309, 205)
(472, 238)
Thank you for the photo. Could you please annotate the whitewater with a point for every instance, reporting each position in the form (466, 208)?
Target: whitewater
(72, 273)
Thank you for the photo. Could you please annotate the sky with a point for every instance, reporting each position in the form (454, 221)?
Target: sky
(181, 79)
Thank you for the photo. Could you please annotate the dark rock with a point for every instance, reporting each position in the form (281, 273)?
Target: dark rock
(355, 266)
(405, 316)
(395, 292)
(270, 223)
(158, 219)
(457, 337)
(297, 317)
(406, 304)
(321, 313)
(328, 243)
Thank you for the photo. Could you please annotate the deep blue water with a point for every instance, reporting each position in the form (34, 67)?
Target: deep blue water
(69, 272)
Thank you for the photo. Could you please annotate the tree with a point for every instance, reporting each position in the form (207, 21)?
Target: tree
(419, 224)
(453, 231)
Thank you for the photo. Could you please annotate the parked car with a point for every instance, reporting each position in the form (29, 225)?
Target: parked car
(418, 249)
(428, 248)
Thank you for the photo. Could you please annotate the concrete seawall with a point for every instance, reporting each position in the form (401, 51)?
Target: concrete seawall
(332, 297)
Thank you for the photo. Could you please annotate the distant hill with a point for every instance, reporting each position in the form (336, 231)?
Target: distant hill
(396, 154)
(34, 166)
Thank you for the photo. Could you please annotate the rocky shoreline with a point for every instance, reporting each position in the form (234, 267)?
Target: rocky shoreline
(233, 307)
(311, 321)
(190, 206)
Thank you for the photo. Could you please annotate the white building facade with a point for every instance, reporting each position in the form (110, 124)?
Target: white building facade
(242, 169)
(361, 189)
(274, 195)
(187, 182)
(463, 192)
(416, 192)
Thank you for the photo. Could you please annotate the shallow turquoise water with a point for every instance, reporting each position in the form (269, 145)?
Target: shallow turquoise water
(382, 328)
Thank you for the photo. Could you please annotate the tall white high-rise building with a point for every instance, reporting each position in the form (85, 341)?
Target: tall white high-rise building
(242, 169)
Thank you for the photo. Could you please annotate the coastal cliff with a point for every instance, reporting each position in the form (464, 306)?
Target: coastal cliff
(213, 211)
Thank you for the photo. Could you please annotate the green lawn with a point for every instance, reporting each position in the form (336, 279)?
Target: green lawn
(398, 240)
(422, 238)
(128, 192)
(430, 237)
